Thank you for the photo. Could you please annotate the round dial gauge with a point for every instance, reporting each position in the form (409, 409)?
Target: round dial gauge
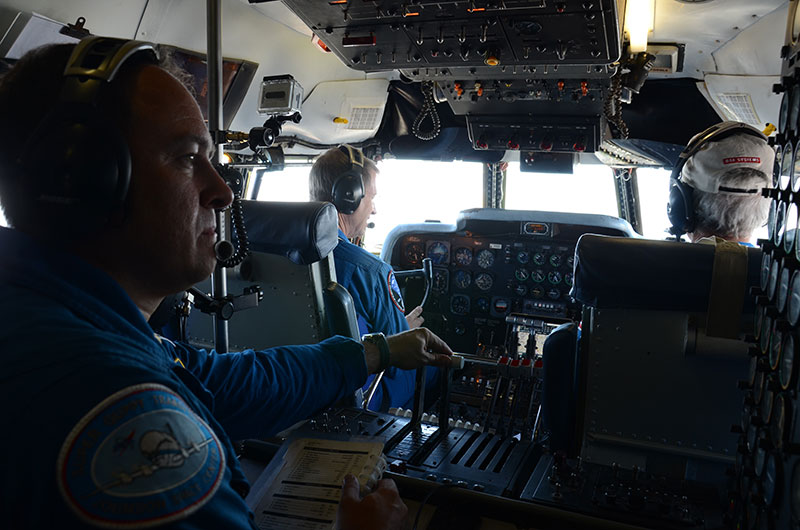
(521, 290)
(793, 301)
(794, 492)
(485, 258)
(554, 277)
(766, 405)
(554, 294)
(438, 252)
(760, 457)
(523, 257)
(783, 115)
(484, 281)
(460, 329)
(482, 304)
(462, 279)
(758, 321)
(556, 260)
(769, 480)
(501, 305)
(774, 274)
(766, 334)
(537, 291)
(795, 179)
(522, 274)
(463, 256)
(778, 424)
(766, 261)
(568, 279)
(783, 288)
(775, 349)
(440, 277)
(752, 434)
(773, 211)
(414, 253)
(776, 170)
(538, 276)
(790, 227)
(787, 163)
(751, 375)
(459, 304)
(780, 221)
(786, 368)
(794, 108)
(571, 261)
(758, 388)
(539, 258)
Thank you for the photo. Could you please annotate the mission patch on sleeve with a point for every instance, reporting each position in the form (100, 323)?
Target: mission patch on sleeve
(394, 292)
(140, 458)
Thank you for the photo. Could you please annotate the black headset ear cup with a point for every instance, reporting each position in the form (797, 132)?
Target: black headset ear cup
(348, 190)
(87, 171)
(680, 208)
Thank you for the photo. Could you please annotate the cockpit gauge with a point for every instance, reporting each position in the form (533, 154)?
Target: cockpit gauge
(793, 302)
(500, 306)
(783, 288)
(554, 277)
(482, 304)
(766, 261)
(775, 349)
(766, 334)
(765, 411)
(463, 256)
(556, 260)
(774, 274)
(521, 289)
(750, 439)
(539, 258)
(537, 291)
(568, 279)
(777, 426)
(751, 374)
(794, 108)
(571, 261)
(769, 480)
(484, 281)
(794, 491)
(783, 116)
(460, 329)
(414, 253)
(758, 388)
(485, 258)
(522, 274)
(438, 252)
(440, 278)
(537, 276)
(554, 294)
(795, 178)
(459, 304)
(786, 368)
(463, 279)
(523, 257)
(760, 458)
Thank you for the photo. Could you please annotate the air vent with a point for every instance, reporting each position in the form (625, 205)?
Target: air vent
(365, 118)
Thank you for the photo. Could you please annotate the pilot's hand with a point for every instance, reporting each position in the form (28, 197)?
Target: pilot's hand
(417, 347)
(415, 318)
(383, 509)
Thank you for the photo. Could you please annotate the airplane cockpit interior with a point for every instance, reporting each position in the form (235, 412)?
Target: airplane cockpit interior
(601, 378)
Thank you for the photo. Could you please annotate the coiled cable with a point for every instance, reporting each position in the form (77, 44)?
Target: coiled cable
(428, 110)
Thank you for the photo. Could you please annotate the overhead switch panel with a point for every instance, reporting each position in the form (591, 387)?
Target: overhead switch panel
(373, 35)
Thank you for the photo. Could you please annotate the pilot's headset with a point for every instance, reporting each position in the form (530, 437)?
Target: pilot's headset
(80, 158)
(348, 188)
(680, 208)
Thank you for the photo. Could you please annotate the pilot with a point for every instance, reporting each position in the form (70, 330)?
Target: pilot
(123, 428)
(717, 184)
(345, 177)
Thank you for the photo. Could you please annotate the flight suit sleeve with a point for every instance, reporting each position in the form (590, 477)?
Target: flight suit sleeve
(260, 393)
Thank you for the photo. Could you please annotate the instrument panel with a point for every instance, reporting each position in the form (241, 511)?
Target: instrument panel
(486, 269)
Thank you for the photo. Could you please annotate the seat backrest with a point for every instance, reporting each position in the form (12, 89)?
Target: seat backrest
(653, 389)
(291, 260)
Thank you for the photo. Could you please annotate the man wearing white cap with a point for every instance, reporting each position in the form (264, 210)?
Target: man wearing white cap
(717, 182)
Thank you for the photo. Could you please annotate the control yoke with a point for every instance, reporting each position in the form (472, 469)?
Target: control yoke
(426, 273)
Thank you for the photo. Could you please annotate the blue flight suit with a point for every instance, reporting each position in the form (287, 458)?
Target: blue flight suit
(379, 307)
(106, 424)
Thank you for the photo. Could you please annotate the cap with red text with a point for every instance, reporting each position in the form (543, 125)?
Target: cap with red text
(706, 169)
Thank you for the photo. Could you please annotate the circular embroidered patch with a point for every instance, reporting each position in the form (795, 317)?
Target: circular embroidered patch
(394, 292)
(140, 458)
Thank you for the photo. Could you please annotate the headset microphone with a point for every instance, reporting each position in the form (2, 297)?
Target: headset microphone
(224, 250)
(370, 225)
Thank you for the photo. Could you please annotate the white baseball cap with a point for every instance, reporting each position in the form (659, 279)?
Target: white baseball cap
(706, 169)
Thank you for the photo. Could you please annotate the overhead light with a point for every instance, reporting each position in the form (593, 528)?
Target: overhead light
(639, 15)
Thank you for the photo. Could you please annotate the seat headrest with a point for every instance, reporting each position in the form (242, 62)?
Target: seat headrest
(616, 272)
(304, 232)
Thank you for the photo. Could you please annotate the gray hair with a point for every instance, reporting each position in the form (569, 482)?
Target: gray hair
(730, 215)
(326, 170)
